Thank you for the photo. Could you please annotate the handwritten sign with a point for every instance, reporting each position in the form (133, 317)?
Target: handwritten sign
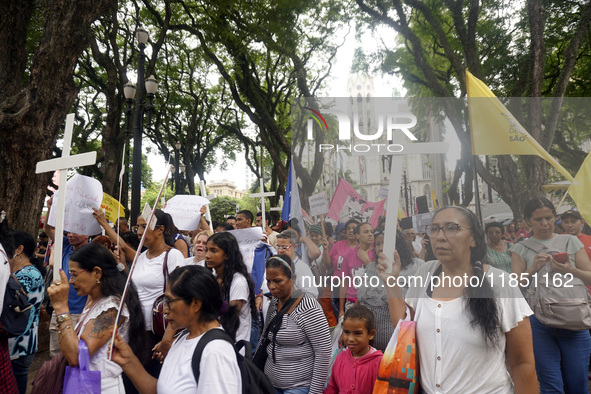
(248, 238)
(318, 204)
(185, 211)
(420, 221)
(82, 194)
(109, 205)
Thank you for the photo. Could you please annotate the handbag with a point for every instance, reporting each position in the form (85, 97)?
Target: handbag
(159, 321)
(81, 380)
(260, 356)
(398, 370)
(50, 377)
(557, 300)
(15, 309)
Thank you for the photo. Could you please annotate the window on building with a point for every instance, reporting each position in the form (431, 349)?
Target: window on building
(426, 167)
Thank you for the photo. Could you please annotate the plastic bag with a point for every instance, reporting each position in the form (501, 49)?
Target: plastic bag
(80, 380)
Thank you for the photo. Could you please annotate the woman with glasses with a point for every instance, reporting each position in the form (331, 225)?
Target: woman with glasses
(465, 318)
(94, 273)
(148, 277)
(497, 249)
(193, 303)
(562, 356)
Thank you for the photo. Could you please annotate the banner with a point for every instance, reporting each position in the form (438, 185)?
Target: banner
(82, 194)
(422, 220)
(109, 205)
(318, 204)
(185, 211)
(346, 204)
(495, 131)
(248, 238)
(581, 191)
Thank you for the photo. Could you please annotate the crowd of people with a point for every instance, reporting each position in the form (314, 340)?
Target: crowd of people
(483, 338)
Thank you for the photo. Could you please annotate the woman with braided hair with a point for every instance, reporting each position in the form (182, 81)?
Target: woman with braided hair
(465, 317)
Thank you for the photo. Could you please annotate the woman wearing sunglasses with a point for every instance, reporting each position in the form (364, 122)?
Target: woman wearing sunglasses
(467, 319)
(94, 273)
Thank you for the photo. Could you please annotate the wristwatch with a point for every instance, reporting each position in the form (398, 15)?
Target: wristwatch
(62, 318)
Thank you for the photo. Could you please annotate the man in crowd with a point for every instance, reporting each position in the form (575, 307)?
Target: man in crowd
(231, 220)
(75, 302)
(268, 231)
(244, 219)
(573, 223)
(287, 243)
(123, 226)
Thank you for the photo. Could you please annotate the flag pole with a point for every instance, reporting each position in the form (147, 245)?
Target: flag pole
(477, 190)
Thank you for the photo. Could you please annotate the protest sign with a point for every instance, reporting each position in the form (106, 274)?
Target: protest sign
(82, 194)
(318, 204)
(346, 204)
(248, 238)
(109, 205)
(420, 221)
(185, 211)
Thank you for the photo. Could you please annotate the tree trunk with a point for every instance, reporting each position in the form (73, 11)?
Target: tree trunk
(31, 116)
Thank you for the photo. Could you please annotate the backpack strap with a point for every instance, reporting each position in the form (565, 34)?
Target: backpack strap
(165, 268)
(533, 245)
(211, 335)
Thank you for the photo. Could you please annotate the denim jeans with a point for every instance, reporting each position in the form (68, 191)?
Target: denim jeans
(297, 390)
(255, 332)
(20, 368)
(562, 358)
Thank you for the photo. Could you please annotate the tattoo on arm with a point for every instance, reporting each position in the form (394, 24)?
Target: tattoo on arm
(104, 322)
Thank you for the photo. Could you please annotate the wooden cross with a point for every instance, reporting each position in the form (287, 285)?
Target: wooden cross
(262, 195)
(63, 163)
(210, 197)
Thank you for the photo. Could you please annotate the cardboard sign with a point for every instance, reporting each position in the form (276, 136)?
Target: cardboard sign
(420, 221)
(82, 194)
(248, 238)
(185, 211)
(318, 204)
(146, 213)
(109, 204)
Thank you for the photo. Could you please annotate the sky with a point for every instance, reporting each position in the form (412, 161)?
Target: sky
(384, 86)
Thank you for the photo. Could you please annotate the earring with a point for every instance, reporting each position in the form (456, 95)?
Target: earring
(98, 282)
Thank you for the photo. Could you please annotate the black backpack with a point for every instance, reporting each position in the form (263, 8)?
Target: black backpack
(253, 379)
(15, 310)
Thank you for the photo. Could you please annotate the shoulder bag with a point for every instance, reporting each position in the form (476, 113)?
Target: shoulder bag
(159, 321)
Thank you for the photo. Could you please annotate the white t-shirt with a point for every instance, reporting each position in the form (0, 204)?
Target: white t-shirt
(302, 270)
(4, 273)
(239, 291)
(148, 280)
(450, 346)
(191, 261)
(218, 369)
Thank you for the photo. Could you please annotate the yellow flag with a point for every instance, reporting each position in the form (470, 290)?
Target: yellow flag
(495, 131)
(109, 204)
(401, 213)
(581, 191)
(435, 205)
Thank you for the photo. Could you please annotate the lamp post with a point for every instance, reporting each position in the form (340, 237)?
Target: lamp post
(177, 162)
(181, 179)
(151, 86)
(405, 191)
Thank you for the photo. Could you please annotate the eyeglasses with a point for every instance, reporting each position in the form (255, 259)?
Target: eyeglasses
(449, 229)
(136, 228)
(167, 302)
(74, 274)
(283, 247)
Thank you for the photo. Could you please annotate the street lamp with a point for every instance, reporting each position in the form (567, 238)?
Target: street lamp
(182, 178)
(151, 86)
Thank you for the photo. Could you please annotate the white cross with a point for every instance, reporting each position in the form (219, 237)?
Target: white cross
(280, 207)
(394, 186)
(210, 197)
(262, 195)
(63, 163)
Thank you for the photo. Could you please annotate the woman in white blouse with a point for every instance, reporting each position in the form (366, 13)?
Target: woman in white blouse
(93, 272)
(463, 331)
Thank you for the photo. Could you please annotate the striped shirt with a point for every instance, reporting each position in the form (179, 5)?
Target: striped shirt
(500, 260)
(303, 348)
